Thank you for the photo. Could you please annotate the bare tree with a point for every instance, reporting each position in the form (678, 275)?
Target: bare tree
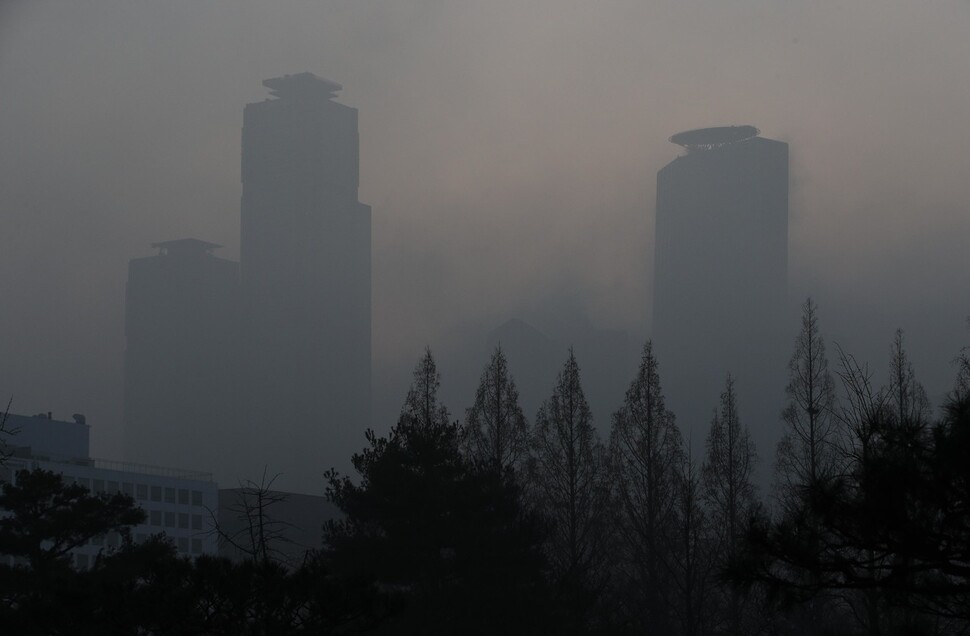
(808, 450)
(692, 556)
(421, 407)
(905, 395)
(646, 452)
(496, 433)
(260, 533)
(5, 433)
(728, 491)
(568, 483)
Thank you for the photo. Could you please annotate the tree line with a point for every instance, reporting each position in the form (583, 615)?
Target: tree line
(492, 524)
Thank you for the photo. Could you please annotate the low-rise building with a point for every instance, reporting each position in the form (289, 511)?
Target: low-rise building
(182, 504)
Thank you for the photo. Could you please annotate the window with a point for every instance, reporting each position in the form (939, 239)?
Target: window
(196, 522)
(196, 497)
(156, 517)
(142, 491)
(113, 539)
(196, 546)
(170, 495)
(184, 520)
(156, 493)
(183, 544)
(183, 496)
(169, 519)
(128, 488)
(113, 487)
(98, 485)
(84, 481)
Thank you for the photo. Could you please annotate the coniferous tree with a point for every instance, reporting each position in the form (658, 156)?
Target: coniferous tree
(905, 395)
(808, 453)
(729, 494)
(808, 450)
(568, 484)
(646, 453)
(421, 406)
(452, 542)
(692, 556)
(496, 433)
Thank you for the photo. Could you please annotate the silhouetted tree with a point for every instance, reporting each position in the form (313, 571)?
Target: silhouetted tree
(891, 534)
(569, 485)
(905, 395)
(809, 450)
(729, 493)
(261, 532)
(809, 447)
(448, 541)
(692, 556)
(496, 432)
(421, 406)
(46, 519)
(646, 452)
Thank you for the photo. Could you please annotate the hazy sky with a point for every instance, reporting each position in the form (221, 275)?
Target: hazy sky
(509, 150)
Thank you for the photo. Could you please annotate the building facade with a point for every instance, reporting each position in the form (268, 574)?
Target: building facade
(180, 504)
(721, 276)
(181, 373)
(305, 254)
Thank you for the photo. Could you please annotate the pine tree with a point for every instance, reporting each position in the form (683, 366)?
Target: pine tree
(496, 433)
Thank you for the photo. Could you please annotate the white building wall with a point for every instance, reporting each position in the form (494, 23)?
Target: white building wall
(177, 503)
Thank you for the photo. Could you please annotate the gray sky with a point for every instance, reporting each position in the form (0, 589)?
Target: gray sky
(509, 149)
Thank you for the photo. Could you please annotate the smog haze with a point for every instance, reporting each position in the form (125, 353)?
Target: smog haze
(509, 152)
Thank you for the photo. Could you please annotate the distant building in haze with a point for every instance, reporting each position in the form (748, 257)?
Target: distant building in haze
(306, 281)
(181, 366)
(720, 277)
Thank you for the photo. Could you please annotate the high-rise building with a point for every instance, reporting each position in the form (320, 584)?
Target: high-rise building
(181, 333)
(720, 277)
(305, 271)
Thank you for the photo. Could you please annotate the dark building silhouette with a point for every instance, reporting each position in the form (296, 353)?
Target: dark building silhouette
(720, 277)
(181, 333)
(306, 283)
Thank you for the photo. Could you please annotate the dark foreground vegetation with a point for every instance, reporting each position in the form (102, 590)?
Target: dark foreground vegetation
(498, 527)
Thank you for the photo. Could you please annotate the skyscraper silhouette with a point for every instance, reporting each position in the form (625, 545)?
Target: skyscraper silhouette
(182, 333)
(720, 276)
(305, 272)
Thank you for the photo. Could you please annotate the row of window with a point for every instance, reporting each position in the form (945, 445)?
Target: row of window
(167, 519)
(142, 492)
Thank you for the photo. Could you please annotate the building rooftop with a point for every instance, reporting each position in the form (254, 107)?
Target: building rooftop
(301, 85)
(707, 138)
(185, 246)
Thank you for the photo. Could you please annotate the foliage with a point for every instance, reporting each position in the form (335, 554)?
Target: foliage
(448, 540)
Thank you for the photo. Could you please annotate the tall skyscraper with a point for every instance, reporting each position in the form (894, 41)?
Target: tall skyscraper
(721, 275)
(181, 333)
(306, 282)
